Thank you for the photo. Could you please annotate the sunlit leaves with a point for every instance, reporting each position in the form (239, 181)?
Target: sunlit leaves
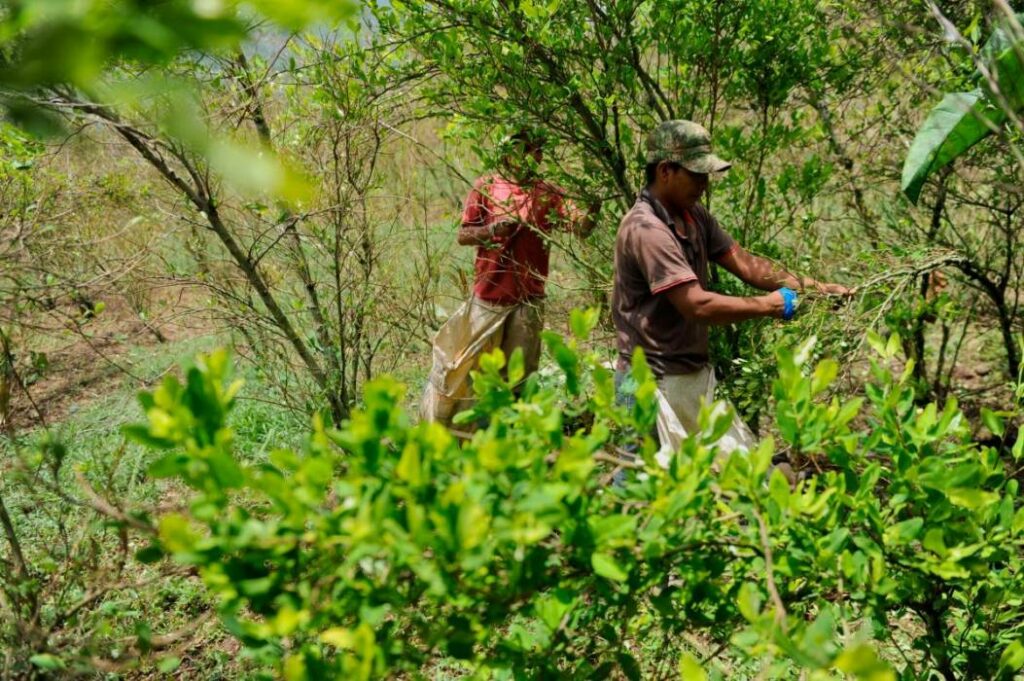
(78, 46)
(509, 548)
(74, 42)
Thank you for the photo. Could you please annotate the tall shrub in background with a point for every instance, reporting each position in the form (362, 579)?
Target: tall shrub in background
(990, 180)
(764, 77)
(302, 268)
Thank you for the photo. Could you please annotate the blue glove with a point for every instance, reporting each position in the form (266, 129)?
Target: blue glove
(788, 303)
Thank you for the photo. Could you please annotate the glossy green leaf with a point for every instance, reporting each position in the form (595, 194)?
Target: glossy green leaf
(48, 662)
(605, 565)
(690, 669)
(1012, 658)
(961, 120)
(972, 498)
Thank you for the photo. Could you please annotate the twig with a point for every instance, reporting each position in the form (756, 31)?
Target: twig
(769, 566)
(101, 505)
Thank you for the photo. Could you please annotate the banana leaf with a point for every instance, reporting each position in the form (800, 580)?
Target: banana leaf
(962, 119)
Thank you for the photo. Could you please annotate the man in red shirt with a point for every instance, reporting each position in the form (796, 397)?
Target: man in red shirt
(509, 218)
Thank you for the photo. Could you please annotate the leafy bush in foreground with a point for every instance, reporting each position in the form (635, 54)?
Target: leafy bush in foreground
(387, 548)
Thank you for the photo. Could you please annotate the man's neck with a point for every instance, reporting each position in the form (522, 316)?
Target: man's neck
(669, 208)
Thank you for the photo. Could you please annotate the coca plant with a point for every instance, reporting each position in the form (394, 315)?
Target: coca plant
(390, 548)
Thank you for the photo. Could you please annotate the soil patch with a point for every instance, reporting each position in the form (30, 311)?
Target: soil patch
(75, 357)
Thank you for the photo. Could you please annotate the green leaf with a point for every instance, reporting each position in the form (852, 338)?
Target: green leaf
(1018, 446)
(568, 360)
(492, 362)
(339, 637)
(606, 566)
(824, 374)
(409, 467)
(1009, 74)
(552, 608)
(176, 534)
(992, 421)
(761, 457)
(690, 669)
(778, 489)
(961, 120)
(876, 342)
(582, 322)
(903, 532)
(1012, 658)
(474, 524)
(971, 498)
(169, 466)
(140, 433)
(749, 601)
(225, 469)
(615, 530)
(48, 662)
(169, 664)
(892, 346)
(516, 367)
(863, 662)
(1002, 38)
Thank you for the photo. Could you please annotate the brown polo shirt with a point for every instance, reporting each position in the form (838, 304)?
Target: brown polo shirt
(652, 256)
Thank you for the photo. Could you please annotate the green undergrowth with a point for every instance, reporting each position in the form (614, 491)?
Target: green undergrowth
(97, 594)
(227, 542)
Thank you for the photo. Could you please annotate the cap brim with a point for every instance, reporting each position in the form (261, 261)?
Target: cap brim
(709, 163)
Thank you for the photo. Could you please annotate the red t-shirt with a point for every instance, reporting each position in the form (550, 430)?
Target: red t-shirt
(515, 268)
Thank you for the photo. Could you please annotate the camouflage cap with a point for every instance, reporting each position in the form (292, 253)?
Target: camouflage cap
(686, 143)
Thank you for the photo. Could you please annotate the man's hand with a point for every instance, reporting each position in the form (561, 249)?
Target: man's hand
(583, 225)
(504, 228)
(777, 304)
(484, 235)
(832, 289)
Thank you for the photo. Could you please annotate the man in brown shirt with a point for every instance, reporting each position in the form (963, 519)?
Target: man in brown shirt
(661, 301)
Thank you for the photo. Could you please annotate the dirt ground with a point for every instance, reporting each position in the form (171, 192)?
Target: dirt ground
(88, 356)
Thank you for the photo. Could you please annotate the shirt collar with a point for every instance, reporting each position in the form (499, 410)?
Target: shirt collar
(661, 212)
(659, 209)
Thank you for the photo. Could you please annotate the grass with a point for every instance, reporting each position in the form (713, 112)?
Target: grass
(75, 552)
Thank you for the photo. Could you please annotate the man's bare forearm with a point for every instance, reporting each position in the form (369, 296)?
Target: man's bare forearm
(767, 276)
(473, 235)
(694, 302)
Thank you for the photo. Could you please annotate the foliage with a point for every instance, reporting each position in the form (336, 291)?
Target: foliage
(105, 60)
(963, 119)
(387, 548)
(79, 601)
(94, 34)
(307, 283)
(384, 546)
(594, 78)
(596, 85)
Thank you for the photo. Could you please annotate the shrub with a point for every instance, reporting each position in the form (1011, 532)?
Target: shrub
(387, 547)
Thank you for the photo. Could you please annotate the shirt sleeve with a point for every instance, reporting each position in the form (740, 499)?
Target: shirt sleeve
(719, 242)
(662, 261)
(475, 211)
